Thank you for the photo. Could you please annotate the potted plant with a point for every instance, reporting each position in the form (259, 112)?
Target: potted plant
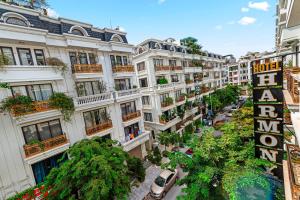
(64, 103)
(52, 61)
(162, 81)
(18, 105)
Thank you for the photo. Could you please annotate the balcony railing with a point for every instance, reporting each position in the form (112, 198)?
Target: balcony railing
(129, 92)
(176, 68)
(123, 68)
(188, 81)
(191, 95)
(100, 127)
(180, 98)
(166, 104)
(162, 68)
(87, 68)
(204, 89)
(97, 98)
(292, 83)
(131, 116)
(34, 149)
(165, 121)
(38, 106)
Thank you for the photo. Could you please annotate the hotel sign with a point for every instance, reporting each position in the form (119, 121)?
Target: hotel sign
(268, 113)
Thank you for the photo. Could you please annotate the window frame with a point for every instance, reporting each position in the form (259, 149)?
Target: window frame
(18, 50)
(27, 92)
(12, 51)
(44, 60)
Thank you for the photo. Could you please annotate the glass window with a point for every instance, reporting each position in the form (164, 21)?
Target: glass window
(39, 55)
(88, 88)
(112, 60)
(46, 91)
(158, 62)
(73, 58)
(35, 92)
(55, 128)
(8, 52)
(30, 133)
(44, 131)
(128, 108)
(141, 66)
(96, 87)
(122, 84)
(119, 60)
(125, 60)
(16, 21)
(92, 58)
(146, 100)
(83, 58)
(148, 117)
(25, 56)
(77, 32)
(143, 82)
(174, 78)
(95, 117)
(19, 90)
(172, 63)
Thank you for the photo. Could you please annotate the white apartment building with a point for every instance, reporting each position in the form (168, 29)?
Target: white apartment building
(287, 42)
(100, 78)
(173, 82)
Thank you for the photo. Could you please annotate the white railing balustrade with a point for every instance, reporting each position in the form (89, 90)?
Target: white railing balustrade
(123, 93)
(92, 98)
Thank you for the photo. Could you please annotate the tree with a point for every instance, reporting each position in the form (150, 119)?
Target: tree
(168, 138)
(155, 156)
(223, 163)
(136, 169)
(96, 170)
(192, 46)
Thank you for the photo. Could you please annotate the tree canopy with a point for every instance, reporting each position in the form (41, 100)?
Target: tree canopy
(96, 170)
(192, 45)
(222, 162)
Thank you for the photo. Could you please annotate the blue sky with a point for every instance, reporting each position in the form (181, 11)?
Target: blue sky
(221, 26)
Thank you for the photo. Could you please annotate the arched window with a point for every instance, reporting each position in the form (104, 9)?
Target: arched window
(116, 38)
(14, 18)
(77, 32)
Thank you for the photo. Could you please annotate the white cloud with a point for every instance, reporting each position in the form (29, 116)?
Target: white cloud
(264, 5)
(219, 27)
(52, 13)
(247, 21)
(161, 1)
(231, 22)
(245, 9)
(122, 29)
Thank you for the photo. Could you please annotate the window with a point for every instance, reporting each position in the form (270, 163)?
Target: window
(145, 100)
(39, 55)
(95, 117)
(35, 92)
(92, 58)
(148, 117)
(8, 52)
(83, 58)
(42, 169)
(77, 32)
(132, 131)
(25, 56)
(42, 131)
(128, 108)
(122, 84)
(143, 82)
(88, 88)
(125, 60)
(141, 66)
(172, 63)
(184, 63)
(174, 78)
(16, 21)
(112, 60)
(119, 60)
(178, 93)
(158, 62)
(73, 58)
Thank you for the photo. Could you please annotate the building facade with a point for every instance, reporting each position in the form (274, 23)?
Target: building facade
(287, 45)
(99, 77)
(173, 82)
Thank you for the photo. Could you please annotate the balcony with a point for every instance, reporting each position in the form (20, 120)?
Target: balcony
(180, 99)
(99, 128)
(123, 68)
(137, 139)
(191, 95)
(176, 68)
(164, 120)
(167, 102)
(204, 90)
(46, 145)
(162, 68)
(292, 83)
(127, 93)
(189, 81)
(131, 116)
(37, 106)
(92, 99)
(87, 68)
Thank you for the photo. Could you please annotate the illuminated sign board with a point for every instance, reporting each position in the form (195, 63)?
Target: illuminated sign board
(268, 113)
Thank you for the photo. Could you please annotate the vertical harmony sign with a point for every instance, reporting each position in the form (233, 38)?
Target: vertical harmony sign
(268, 113)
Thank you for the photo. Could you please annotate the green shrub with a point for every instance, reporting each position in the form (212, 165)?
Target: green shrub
(18, 105)
(155, 156)
(162, 81)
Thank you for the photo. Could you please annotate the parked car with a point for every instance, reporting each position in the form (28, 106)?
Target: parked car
(189, 152)
(163, 183)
